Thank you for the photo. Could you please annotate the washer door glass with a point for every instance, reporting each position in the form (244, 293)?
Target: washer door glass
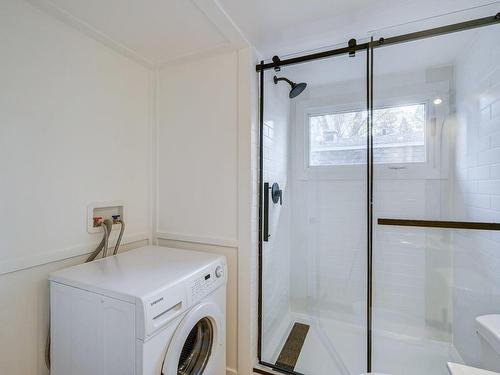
(197, 349)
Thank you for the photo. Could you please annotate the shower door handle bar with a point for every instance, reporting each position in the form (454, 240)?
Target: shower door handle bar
(439, 224)
(266, 235)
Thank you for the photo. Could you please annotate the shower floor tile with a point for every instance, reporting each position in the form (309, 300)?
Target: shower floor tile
(337, 348)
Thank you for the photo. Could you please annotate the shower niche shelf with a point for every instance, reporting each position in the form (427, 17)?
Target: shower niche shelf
(106, 210)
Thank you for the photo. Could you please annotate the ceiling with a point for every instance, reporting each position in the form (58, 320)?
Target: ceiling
(290, 26)
(155, 31)
(159, 31)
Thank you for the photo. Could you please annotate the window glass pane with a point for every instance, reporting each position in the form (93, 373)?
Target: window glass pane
(340, 138)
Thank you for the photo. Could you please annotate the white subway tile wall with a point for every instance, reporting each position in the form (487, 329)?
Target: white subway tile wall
(276, 252)
(476, 282)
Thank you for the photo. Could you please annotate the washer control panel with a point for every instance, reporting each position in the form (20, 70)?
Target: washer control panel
(163, 306)
(208, 281)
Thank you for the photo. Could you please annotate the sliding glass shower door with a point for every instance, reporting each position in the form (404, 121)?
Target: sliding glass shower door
(313, 310)
(436, 179)
(379, 204)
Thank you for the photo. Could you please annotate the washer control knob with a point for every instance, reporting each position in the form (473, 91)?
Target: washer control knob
(219, 272)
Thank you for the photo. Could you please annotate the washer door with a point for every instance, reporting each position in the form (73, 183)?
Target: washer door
(195, 342)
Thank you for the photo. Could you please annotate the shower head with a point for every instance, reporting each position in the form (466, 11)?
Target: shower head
(297, 88)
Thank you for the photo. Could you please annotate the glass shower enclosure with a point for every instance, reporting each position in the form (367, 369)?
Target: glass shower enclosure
(313, 258)
(380, 201)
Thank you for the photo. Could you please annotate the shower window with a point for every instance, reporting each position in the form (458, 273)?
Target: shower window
(408, 136)
(340, 138)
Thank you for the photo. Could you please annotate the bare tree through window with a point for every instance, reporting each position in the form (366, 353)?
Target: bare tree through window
(340, 138)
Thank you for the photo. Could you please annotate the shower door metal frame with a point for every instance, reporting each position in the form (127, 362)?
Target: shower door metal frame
(369, 48)
(381, 42)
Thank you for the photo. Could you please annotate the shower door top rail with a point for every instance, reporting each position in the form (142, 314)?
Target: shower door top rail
(442, 30)
(439, 224)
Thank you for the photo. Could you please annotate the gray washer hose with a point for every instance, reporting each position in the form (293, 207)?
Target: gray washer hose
(107, 231)
(119, 240)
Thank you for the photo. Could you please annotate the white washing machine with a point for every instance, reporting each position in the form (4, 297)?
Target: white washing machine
(148, 311)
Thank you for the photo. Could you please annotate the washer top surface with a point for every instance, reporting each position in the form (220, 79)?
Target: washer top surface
(136, 273)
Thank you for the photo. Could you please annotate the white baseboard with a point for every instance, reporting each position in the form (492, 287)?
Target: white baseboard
(216, 241)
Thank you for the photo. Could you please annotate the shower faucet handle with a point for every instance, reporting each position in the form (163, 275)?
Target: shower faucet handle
(277, 193)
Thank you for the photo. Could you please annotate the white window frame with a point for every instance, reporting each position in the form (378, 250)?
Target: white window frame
(435, 166)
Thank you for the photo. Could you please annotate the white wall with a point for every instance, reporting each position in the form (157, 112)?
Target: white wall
(248, 161)
(75, 128)
(197, 149)
(477, 260)
(78, 128)
(197, 166)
